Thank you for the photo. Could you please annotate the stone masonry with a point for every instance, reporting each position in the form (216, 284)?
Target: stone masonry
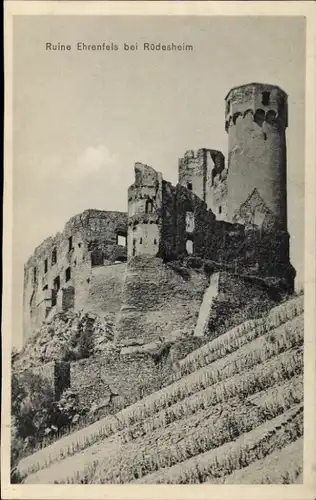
(232, 214)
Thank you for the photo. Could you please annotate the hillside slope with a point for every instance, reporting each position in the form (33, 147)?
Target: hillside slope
(60, 338)
(233, 414)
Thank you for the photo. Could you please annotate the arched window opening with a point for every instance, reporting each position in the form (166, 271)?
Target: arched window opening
(149, 206)
(189, 247)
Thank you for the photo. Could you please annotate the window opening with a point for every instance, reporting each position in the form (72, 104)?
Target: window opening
(149, 206)
(121, 240)
(189, 247)
(68, 274)
(54, 256)
(189, 186)
(70, 247)
(45, 265)
(189, 222)
(265, 98)
(57, 283)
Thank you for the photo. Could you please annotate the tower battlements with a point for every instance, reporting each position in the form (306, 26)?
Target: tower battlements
(262, 102)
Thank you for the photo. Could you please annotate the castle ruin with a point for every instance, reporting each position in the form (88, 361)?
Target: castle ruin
(231, 213)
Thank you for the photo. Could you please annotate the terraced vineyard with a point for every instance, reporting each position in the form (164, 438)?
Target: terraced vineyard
(232, 414)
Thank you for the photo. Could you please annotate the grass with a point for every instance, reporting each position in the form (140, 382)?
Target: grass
(222, 461)
(241, 365)
(278, 370)
(189, 437)
(238, 336)
(280, 467)
(256, 352)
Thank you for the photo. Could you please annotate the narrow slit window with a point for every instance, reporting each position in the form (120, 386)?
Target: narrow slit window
(68, 274)
(56, 284)
(34, 273)
(140, 240)
(70, 247)
(189, 186)
(219, 209)
(45, 265)
(54, 256)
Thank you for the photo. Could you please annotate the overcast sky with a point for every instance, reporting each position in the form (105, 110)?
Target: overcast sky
(82, 119)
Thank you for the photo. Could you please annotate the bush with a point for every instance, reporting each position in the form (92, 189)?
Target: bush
(32, 404)
(69, 409)
(179, 269)
(36, 415)
(194, 262)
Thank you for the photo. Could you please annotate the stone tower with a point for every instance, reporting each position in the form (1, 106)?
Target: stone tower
(256, 120)
(144, 211)
(202, 171)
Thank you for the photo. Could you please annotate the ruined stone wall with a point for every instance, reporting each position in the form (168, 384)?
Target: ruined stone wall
(167, 246)
(253, 252)
(202, 172)
(192, 172)
(145, 211)
(239, 298)
(65, 261)
(217, 196)
(57, 374)
(256, 119)
(105, 289)
(126, 377)
(158, 299)
(193, 223)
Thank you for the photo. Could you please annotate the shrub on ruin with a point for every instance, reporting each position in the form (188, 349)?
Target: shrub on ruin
(194, 262)
(85, 347)
(32, 404)
(69, 409)
(36, 415)
(179, 269)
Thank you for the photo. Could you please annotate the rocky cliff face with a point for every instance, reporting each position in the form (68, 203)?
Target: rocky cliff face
(62, 339)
